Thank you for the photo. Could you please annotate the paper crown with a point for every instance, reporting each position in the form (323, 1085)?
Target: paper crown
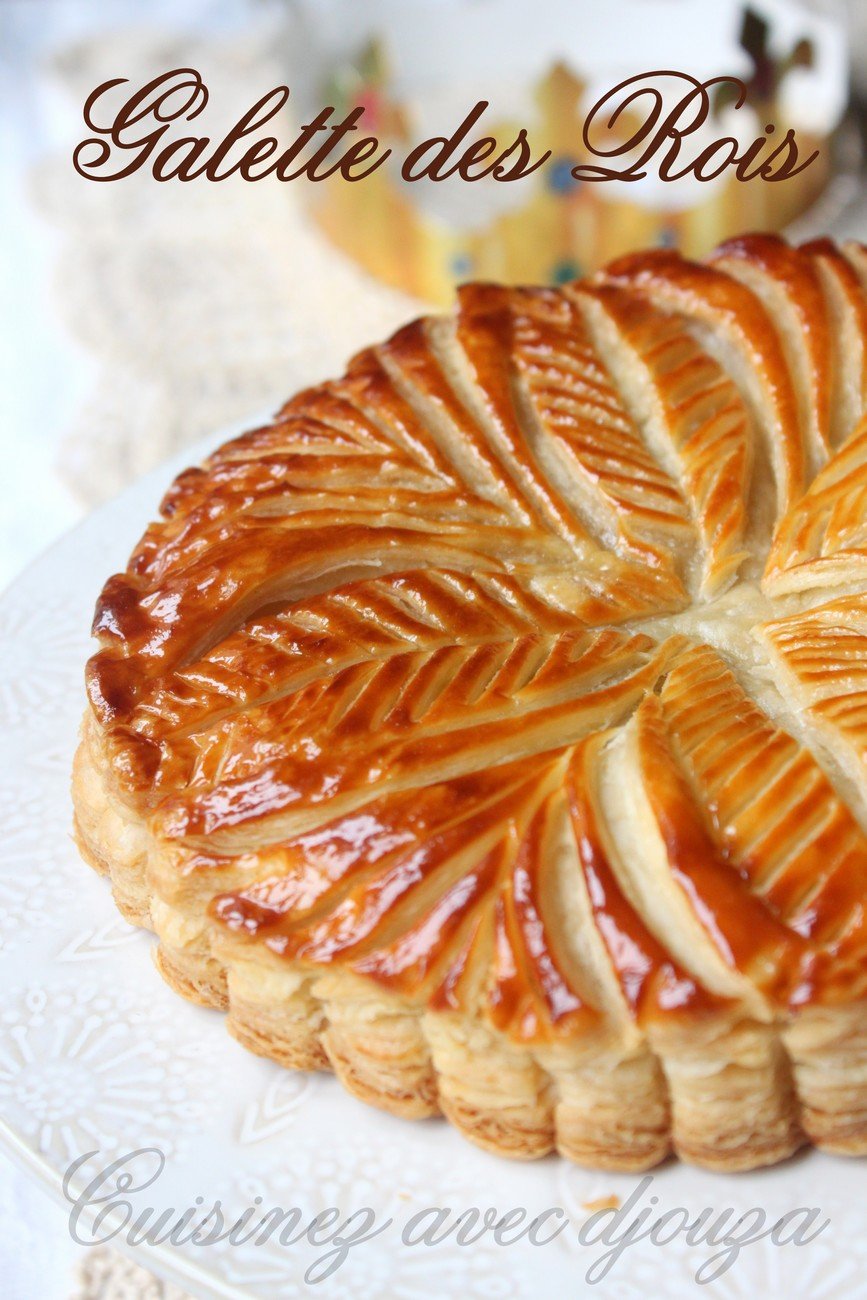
(549, 227)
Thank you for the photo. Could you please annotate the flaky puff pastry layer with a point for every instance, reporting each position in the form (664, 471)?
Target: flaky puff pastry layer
(489, 728)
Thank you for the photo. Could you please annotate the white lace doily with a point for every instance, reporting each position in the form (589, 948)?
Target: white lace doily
(203, 302)
(106, 1275)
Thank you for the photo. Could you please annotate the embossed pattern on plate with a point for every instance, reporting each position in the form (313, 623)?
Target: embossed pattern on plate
(95, 1054)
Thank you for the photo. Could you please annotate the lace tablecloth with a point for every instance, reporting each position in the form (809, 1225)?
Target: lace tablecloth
(204, 303)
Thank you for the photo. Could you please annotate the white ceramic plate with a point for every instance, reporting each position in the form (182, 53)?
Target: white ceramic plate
(96, 1054)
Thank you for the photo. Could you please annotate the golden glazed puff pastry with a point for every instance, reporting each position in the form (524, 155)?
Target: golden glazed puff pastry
(491, 728)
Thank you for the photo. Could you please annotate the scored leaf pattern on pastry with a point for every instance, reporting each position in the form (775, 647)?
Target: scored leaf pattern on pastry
(822, 542)
(466, 729)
